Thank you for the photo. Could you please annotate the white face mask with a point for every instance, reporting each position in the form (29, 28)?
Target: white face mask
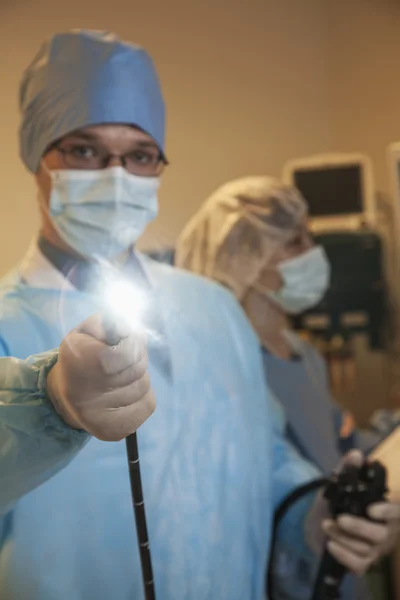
(101, 213)
(305, 281)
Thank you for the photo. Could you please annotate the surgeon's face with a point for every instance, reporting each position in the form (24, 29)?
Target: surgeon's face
(299, 242)
(99, 147)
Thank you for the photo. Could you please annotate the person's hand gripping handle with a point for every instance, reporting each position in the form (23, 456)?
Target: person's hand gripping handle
(100, 383)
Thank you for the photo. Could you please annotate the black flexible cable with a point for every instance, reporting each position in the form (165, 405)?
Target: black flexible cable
(280, 513)
(140, 516)
(136, 488)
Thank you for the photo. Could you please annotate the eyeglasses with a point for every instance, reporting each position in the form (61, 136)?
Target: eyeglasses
(144, 162)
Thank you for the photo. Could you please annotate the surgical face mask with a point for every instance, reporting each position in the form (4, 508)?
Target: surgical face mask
(101, 213)
(305, 281)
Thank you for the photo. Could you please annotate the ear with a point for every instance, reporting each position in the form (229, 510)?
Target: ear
(43, 182)
(271, 279)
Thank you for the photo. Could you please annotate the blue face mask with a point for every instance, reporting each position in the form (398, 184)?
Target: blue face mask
(305, 281)
(100, 214)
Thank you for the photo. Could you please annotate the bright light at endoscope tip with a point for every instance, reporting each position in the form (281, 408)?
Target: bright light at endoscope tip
(125, 301)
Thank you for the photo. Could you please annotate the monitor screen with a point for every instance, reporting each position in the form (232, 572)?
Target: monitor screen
(335, 190)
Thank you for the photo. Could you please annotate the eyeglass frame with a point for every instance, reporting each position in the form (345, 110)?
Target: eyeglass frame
(162, 161)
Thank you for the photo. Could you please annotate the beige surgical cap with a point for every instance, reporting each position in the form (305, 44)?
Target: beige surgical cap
(237, 230)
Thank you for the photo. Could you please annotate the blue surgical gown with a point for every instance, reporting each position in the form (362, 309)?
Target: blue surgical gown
(214, 461)
(312, 423)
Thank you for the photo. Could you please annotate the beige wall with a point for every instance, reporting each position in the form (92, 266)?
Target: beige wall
(245, 84)
(364, 53)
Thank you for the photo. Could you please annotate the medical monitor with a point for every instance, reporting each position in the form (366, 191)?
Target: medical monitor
(338, 188)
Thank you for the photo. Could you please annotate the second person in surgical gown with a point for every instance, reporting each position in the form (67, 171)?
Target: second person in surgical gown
(251, 236)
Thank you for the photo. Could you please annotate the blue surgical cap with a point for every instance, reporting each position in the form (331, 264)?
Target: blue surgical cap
(84, 78)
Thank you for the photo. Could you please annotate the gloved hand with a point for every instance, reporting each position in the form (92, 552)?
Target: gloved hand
(356, 543)
(100, 388)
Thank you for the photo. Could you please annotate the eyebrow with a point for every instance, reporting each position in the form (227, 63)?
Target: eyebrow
(92, 137)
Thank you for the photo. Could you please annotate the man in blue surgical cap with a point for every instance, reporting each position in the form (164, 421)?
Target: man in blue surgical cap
(214, 461)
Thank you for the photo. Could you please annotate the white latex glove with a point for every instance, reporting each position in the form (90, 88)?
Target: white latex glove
(102, 389)
(356, 543)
